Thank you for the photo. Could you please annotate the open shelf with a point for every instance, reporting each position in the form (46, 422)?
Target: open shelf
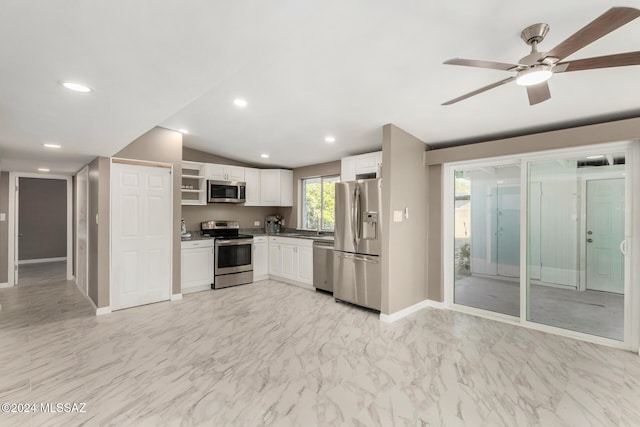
(193, 176)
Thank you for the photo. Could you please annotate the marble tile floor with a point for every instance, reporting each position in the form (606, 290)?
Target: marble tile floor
(274, 354)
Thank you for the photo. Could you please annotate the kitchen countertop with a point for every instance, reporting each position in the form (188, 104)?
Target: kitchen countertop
(195, 235)
(294, 235)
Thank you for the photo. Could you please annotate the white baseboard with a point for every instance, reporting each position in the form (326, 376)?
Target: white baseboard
(292, 282)
(436, 304)
(103, 310)
(260, 278)
(176, 297)
(195, 289)
(40, 260)
(390, 318)
(5, 285)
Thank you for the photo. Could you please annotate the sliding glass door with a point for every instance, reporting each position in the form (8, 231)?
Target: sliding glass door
(576, 218)
(569, 272)
(487, 238)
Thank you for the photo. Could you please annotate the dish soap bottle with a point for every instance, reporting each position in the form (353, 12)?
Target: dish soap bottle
(183, 226)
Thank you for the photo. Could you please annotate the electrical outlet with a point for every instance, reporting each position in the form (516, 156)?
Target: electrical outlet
(3, 217)
(256, 223)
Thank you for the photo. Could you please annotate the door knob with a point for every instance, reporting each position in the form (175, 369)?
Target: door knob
(589, 240)
(20, 235)
(589, 232)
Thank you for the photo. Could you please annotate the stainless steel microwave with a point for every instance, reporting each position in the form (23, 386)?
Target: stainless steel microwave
(226, 191)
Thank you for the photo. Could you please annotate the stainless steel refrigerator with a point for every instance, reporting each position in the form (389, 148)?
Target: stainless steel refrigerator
(357, 267)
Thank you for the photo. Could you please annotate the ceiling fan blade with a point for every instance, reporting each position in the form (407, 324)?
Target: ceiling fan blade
(481, 64)
(538, 93)
(609, 61)
(609, 21)
(477, 91)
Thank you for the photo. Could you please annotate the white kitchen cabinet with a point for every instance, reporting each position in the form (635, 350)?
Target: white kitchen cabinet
(252, 194)
(218, 172)
(352, 167)
(196, 265)
(276, 187)
(275, 266)
(305, 264)
(260, 258)
(291, 260)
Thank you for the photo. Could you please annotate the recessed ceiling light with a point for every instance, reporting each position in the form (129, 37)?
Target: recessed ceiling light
(185, 131)
(239, 102)
(47, 145)
(264, 156)
(599, 156)
(43, 170)
(330, 139)
(77, 87)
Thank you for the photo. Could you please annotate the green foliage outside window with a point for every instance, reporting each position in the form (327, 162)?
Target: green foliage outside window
(318, 198)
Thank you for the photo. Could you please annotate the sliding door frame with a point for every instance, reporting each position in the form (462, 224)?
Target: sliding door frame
(632, 236)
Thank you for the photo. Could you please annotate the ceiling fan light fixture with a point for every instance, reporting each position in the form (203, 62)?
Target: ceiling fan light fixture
(534, 75)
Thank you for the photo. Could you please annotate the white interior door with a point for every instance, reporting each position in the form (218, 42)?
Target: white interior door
(140, 235)
(605, 233)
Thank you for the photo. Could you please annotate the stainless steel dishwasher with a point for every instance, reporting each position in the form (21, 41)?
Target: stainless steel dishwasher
(323, 266)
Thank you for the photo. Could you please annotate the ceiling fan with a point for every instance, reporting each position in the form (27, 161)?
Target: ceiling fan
(533, 70)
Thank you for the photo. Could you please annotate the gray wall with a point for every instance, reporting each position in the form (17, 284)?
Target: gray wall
(42, 222)
(245, 215)
(291, 214)
(163, 145)
(193, 155)
(99, 210)
(4, 227)
(404, 244)
(622, 130)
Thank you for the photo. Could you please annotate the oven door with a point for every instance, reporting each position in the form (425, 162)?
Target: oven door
(233, 256)
(225, 192)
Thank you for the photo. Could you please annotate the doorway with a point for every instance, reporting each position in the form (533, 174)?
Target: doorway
(605, 235)
(40, 227)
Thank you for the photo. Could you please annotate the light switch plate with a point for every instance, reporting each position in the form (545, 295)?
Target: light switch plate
(256, 223)
(3, 217)
(397, 216)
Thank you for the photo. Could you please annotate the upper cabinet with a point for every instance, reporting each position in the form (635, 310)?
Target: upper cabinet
(194, 184)
(361, 167)
(217, 172)
(276, 187)
(252, 178)
(264, 187)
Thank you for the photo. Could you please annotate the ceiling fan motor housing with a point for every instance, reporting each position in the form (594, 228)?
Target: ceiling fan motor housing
(534, 34)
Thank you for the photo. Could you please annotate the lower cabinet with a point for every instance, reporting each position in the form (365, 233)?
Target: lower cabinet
(197, 265)
(291, 259)
(260, 259)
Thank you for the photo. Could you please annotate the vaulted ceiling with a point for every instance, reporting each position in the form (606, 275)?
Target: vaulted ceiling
(306, 69)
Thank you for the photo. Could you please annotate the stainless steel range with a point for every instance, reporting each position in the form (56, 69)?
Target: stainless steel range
(233, 261)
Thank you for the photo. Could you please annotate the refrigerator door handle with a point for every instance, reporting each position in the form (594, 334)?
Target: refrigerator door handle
(358, 258)
(354, 215)
(358, 208)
